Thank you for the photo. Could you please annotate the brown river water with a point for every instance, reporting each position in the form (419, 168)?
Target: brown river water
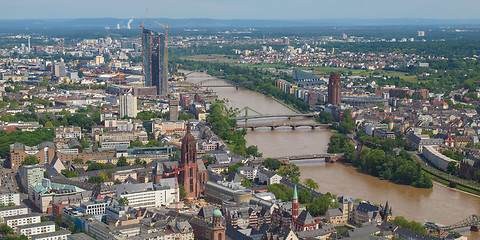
(439, 204)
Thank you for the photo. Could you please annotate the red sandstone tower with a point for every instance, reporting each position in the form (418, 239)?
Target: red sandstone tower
(294, 206)
(189, 177)
(334, 89)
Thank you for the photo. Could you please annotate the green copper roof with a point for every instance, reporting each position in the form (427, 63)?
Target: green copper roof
(295, 193)
(217, 212)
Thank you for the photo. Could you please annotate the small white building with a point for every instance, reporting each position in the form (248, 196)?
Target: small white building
(268, 177)
(13, 211)
(57, 235)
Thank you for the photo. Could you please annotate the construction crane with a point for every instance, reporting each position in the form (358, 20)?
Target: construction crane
(144, 16)
(175, 172)
(166, 40)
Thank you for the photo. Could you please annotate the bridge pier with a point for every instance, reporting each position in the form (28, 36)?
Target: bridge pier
(294, 127)
(252, 128)
(474, 228)
(313, 127)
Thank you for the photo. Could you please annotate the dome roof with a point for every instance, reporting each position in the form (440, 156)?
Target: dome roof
(217, 212)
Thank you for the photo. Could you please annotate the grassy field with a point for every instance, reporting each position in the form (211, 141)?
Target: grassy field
(446, 183)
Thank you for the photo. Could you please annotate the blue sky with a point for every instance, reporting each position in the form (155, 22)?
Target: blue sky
(241, 9)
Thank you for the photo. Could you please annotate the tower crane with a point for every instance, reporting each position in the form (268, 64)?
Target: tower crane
(166, 40)
(175, 173)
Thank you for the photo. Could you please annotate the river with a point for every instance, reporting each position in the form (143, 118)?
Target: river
(440, 204)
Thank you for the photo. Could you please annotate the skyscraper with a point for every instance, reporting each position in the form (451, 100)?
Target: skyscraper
(128, 106)
(155, 60)
(334, 89)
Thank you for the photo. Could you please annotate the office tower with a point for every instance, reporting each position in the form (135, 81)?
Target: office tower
(155, 61)
(128, 106)
(59, 69)
(173, 108)
(334, 89)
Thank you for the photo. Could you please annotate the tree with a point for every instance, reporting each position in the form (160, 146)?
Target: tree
(5, 230)
(235, 167)
(246, 183)
(153, 143)
(117, 181)
(69, 174)
(123, 201)
(122, 161)
(304, 196)
(311, 184)
(140, 162)
(30, 160)
(136, 143)
(281, 192)
(182, 191)
(321, 204)
(290, 171)
(95, 179)
(476, 176)
(78, 161)
(43, 219)
(252, 150)
(412, 225)
(272, 164)
(452, 167)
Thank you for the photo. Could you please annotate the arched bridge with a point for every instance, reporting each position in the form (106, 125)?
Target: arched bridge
(274, 126)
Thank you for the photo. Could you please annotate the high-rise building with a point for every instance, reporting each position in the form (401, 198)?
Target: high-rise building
(154, 58)
(173, 108)
(128, 106)
(334, 89)
(59, 69)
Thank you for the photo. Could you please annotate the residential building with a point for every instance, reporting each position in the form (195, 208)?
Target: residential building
(44, 194)
(96, 207)
(37, 228)
(249, 172)
(57, 235)
(128, 106)
(9, 197)
(419, 141)
(268, 177)
(13, 211)
(436, 158)
(20, 220)
(30, 174)
(44, 152)
(68, 132)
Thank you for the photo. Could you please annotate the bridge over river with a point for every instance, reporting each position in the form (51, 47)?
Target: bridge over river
(273, 126)
(329, 157)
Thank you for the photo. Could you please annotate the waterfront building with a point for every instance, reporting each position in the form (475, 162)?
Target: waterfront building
(334, 89)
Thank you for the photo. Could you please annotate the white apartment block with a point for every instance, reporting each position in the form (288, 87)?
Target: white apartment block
(37, 228)
(13, 211)
(57, 235)
(21, 220)
(9, 197)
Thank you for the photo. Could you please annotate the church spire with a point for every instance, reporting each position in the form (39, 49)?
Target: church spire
(295, 196)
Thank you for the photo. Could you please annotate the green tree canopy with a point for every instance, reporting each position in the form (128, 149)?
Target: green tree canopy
(30, 160)
(272, 164)
(122, 161)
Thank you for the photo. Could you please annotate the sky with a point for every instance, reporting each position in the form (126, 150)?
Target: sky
(241, 9)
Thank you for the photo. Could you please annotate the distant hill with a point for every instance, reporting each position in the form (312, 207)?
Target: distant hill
(102, 23)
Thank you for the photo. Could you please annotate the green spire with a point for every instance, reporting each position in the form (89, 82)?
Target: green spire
(295, 193)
